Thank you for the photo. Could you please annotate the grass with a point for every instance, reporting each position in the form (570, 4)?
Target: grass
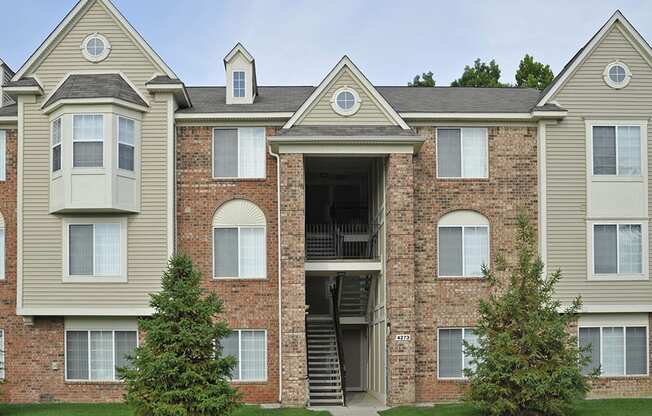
(613, 407)
(124, 410)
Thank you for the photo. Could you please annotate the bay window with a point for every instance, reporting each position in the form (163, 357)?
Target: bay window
(88, 140)
(96, 355)
(617, 249)
(615, 350)
(249, 348)
(239, 153)
(126, 143)
(452, 357)
(462, 153)
(56, 145)
(616, 150)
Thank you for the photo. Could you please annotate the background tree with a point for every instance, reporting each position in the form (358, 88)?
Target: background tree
(526, 361)
(178, 370)
(533, 74)
(480, 74)
(424, 80)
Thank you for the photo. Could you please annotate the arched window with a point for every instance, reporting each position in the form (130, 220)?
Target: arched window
(239, 241)
(2, 247)
(463, 244)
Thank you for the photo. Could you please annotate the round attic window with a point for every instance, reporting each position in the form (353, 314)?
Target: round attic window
(617, 75)
(95, 47)
(345, 101)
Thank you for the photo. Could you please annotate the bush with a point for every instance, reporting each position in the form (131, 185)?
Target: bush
(527, 363)
(179, 371)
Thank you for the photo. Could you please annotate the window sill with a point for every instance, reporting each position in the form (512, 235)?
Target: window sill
(95, 382)
(239, 179)
(607, 378)
(463, 179)
(460, 380)
(618, 278)
(244, 279)
(252, 382)
(95, 279)
(615, 178)
(471, 278)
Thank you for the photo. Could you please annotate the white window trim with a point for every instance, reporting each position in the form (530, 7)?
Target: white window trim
(238, 227)
(88, 337)
(105, 53)
(56, 173)
(3, 241)
(610, 82)
(126, 172)
(238, 178)
(624, 327)
(3, 151)
(3, 354)
(243, 381)
(244, 88)
(462, 175)
(463, 276)
(346, 112)
(73, 141)
(620, 277)
(642, 125)
(464, 329)
(121, 277)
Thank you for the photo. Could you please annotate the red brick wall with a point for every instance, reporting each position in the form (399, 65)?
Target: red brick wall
(441, 303)
(249, 304)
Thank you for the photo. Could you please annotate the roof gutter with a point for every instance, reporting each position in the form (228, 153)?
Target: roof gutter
(234, 116)
(525, 116)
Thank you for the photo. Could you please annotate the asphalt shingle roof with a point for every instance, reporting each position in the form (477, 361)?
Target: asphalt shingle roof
(9, 110)
(96, 86)
(269, 99)
(350, 131)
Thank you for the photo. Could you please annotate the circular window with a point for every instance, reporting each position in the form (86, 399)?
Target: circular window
(345, 101)
(617, 75)
(95, 47)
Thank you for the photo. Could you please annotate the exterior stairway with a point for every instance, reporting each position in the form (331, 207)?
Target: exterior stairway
(354, 297)
(324, 375)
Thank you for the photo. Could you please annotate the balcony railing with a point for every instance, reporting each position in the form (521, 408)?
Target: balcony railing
(341, 241)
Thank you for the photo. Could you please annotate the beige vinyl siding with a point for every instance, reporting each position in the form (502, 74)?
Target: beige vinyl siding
(43, 233)
(586, 96)
(321, 112)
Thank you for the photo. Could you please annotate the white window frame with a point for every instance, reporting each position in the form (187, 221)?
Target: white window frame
(642, 146)
(462, 175)
(3, 151)
(239, 227)
(463, 226)
(3, 361)
(131, 173)
(624, 327)
(57, 121)
(231, 178)
(612, 83)
(240, 380)
(464, 329)
(88, 337)
(346, 112)
(95, 58)
(3, 239)
(244, 82)
(73, 141)
(623, 277)
(119, 278)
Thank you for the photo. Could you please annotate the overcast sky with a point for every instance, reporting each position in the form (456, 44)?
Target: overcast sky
(298, 42)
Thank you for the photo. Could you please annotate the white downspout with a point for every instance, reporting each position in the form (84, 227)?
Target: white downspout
(278, 233)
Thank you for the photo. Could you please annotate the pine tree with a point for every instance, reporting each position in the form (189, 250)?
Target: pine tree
(527, 363)
(178, 370)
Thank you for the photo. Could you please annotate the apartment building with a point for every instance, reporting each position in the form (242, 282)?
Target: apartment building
(344, 225)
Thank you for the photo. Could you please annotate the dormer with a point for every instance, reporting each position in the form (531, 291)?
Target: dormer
(240, 68)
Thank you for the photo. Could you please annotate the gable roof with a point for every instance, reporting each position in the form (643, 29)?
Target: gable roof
(241, 49)
(269, 99)
(84, 86)
(71, 17)
(345, 62)
(586, 50)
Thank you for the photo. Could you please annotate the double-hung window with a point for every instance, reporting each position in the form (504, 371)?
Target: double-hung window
(616, 350)
(239, 153)
(238, 83)
(239, 251)
(3, 155)
(97, 355)
(617, 249)
(616, 150)
(56, 145)
(463, 250)
(88, 140)
(452, 357)
(126, 143)
(249, 348)
(462, 153)
(94, 249)
(2, 354)
(2, 248)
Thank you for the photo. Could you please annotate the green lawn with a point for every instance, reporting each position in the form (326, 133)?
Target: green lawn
(123, 410)
(629, 407)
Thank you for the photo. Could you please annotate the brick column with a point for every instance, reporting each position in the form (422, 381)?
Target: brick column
(293, 332)
(400, 280)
